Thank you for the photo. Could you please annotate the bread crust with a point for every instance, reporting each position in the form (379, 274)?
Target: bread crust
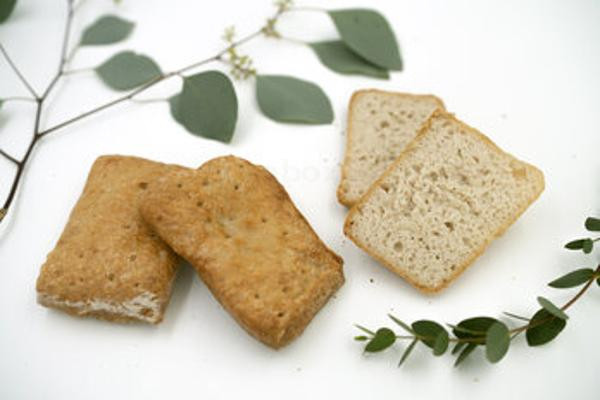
(239, 229)
(539, 177)
(341, 196)
(108, 263)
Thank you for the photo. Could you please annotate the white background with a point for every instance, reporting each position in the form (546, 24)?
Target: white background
(524, 72)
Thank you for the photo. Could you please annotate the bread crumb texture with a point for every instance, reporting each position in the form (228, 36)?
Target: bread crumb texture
(108, 263)
(380, 126)
(436, 209)
(238, 227)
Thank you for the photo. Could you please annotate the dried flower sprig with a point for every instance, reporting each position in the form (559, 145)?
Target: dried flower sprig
(490, 333)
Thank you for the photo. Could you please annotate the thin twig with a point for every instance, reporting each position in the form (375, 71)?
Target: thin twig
(9, 157)
(18, 72)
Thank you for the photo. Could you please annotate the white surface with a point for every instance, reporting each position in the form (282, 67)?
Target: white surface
(525, 73)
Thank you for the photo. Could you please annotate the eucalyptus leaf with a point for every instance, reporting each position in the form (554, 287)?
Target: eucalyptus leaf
(407, 352)
(573, 279)
(6, 9)
(576, 244)
(464, 354)
(288, 99)
(107, 29)
(128, 70)
(598, 281)
(458, 347)
(361, 338)
(368, 34)
(384, 338)
(592, 224)
(544, 328)
(207, 106)
(432, 334)
(497, 342)
(588, 246)
(551, 308)
(473, 327)
(402, 324)
(338, 57)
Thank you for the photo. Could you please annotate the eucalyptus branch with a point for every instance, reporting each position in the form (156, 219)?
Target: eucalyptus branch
(16, 70)
(9, 157)
(541, 328)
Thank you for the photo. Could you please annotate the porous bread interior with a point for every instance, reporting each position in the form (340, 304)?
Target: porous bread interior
(380, 126)
(436, 209)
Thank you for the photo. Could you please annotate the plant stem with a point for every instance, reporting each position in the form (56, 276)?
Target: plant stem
(18, 72)
(9, 157)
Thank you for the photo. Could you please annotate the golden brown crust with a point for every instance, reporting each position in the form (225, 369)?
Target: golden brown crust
(411, 147)
(238, 227)
(107, 262)
(341, 195)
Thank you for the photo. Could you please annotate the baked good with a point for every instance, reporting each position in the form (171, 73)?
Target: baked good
(380, 126)
(441, 203)
(236, 225)
(108, 263)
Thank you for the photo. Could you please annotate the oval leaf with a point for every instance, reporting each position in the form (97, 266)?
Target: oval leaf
(592, 224)
(6, 9)
(369, 35)
(107, 29)
(361, 338)
(573, 279)
(497, 342)
(473, 327)
(383, 339)
(207, 106)
(544, 328)
(464, 354)
(432, 334)
(128, 70)
(588, 246)
(338, 57)
(288, 99)
(551, 308)
(576, 244)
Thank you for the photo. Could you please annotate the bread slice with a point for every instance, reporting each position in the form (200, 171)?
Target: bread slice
(441, 203)
(380, 126)
(257, 254)
(107, 262)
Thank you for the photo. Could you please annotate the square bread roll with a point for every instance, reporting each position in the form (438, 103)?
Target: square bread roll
(108, 263)
(441, 203)
(236, 225)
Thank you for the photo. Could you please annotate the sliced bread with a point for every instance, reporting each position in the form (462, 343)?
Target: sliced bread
(380, 126)
(441, 203)
(239, 229)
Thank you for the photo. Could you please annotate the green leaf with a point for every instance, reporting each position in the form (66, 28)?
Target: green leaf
(368, 34)
(6, 9)
(544, 328)
(407, 352)
(573, 279)
(107, 29)
(458, 347)
(592, 224)
(365, 330)
(288, 99)
(402, 324)
(473, 327)
(551, 308)
(464, 354)
(588, 246)
(361, 338)
(127, 70)
(598, 281)
(433, 335)
(497, 342)
(338, 57)
(384, 338)
(207, 106)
